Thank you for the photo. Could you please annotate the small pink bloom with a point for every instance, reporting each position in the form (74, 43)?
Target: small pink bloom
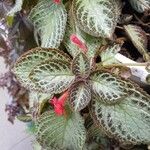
(59, 104)
(74, 39)
(57, 1)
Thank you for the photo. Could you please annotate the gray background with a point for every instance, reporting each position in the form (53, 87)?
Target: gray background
(12, 137)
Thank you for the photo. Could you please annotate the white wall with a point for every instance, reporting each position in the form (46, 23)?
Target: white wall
(12, 137)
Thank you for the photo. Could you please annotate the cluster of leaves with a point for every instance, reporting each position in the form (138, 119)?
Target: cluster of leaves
(98, 102)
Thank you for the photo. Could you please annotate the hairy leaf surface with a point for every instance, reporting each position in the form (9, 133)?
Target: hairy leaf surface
(29, 60)
(80, 95)
(138, 37)
(128, 121)
(49, 20)
(52, 76)
(97, 17)
(140, 5)
(81, 65)
(60, 132)
(110, 88)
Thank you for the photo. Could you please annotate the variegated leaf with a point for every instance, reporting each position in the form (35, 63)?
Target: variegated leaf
(127, 121)
(37, 146)
(60, 132)
(38, 97)
(80, 95)
(95, 135)
(110, 88)
(29, 60)
(92, 43)
(37, 101)
(52, 76)
(81, 65)
(49, 20)
(138, 37)
(140, 5)
(97, 17)
(93, 146)
(108, 55)
(24, 118)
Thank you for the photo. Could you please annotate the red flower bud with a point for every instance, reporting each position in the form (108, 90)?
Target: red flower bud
(57, 1)
(59, 104)
(74, 39)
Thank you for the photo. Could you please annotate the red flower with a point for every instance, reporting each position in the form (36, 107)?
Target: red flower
(78, 42)
(59, 104)
(57, 1)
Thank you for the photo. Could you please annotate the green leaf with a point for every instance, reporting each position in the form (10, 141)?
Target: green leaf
(29, 60)
(129, 121)
(92, 43)
(98, 17)
(110, 88)
(138, 38)
(140, 5)
(93, 146)
(49, 20)
(60, 132)
(24, 118)
(39, 99)
(108, 55)
(10, 20)
(95, 136)
(81, 65)
(37, 146)
(52, 76)
(80, 95)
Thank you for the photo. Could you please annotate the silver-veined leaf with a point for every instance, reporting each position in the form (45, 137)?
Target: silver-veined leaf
(140, 5)
(92, 43)
(97, 17)
(81, 65)
(127, 121)
(110, 88)
(29, 60)
(138, 37)
(38, 97)
(49, 20)
(37, 102)
(60, 132)
(80, 95)
(95, 135)
(93, 131)
(52, 76)
(108, 55)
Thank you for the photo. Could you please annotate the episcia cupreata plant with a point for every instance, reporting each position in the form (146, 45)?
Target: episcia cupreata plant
(85, 99)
